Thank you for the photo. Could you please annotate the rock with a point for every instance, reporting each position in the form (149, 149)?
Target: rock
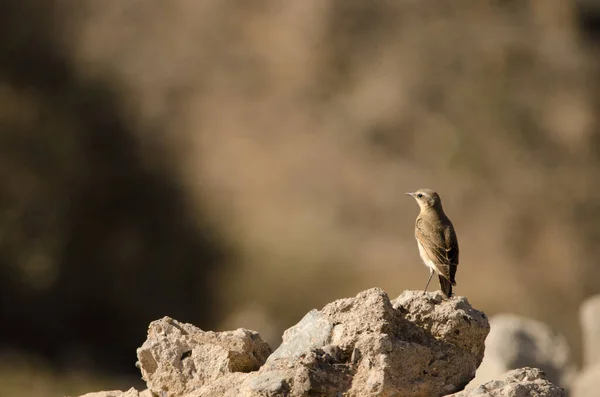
(589, 315)
(523, 382)
(454, 321)
(229, 385)
(516, 342)
(365, 346)
(118, 393)
(313, 331)
(586, 383)
(418, 345)
(178, 358)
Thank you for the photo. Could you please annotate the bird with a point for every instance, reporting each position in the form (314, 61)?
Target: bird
(436, 239)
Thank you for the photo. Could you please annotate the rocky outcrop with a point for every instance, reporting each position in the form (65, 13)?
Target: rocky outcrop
(454, 320)
(516, 342)
(530, 382)
(420, 344)
(369, 346)
(179, 358)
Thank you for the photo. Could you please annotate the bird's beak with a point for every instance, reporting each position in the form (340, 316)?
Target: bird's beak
(410, 194)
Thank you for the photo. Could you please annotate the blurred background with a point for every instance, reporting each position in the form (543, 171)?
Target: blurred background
(236, 164)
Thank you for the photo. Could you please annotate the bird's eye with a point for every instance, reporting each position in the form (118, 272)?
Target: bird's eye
(419, 195)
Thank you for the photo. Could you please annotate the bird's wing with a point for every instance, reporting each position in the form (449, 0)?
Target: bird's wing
(437, 249)
(452, 251)
(451, 244)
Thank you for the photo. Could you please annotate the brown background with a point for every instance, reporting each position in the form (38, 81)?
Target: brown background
(235, 164)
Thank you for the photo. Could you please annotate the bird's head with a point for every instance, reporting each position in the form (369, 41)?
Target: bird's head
(427, 198)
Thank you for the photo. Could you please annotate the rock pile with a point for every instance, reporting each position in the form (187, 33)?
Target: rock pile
(516, 342)
(177, 358)
(417, 345)
(521, 382)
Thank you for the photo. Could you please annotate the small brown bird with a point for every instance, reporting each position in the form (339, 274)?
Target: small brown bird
(436, 239)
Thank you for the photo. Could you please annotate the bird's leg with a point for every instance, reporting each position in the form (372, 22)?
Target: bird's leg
(428, 281)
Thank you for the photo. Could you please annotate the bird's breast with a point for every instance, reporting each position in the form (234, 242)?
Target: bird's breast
(424, 257)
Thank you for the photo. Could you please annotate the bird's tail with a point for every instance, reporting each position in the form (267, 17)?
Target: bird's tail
(446, 286)
(453, 273)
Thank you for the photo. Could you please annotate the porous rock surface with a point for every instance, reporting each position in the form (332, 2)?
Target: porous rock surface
(418, 345)
(453, 320)
(178, 358)
(523, 382)
(361, 346)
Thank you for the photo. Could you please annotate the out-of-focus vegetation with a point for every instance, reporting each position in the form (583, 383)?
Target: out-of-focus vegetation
(235, 164)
